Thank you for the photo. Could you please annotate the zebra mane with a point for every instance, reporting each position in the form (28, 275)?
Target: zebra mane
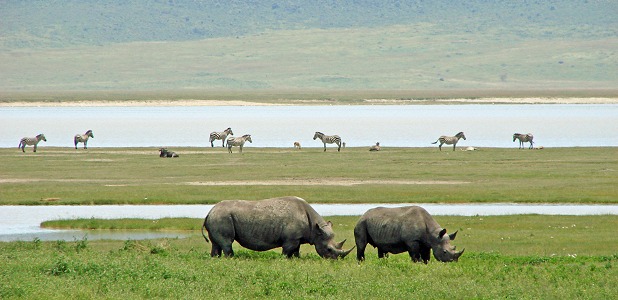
(317, 132)
(460, 133)
(246, 135)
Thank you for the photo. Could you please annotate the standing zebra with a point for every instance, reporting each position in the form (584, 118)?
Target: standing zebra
(220, 136)
(238, 141)
(328, 139)
(450, 140)
(523, 138)
(83, 138)
(31, 141)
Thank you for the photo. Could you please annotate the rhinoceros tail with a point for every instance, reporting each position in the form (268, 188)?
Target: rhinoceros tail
(204, 235)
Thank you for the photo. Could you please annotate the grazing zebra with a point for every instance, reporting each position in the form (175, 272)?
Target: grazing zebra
(238, 141)
(163, 152)
(83, 138)
(450, 140)
(375, 147)
(328, 139)
(297, 145)
(31, 141)
(523, 138)
(220, 136)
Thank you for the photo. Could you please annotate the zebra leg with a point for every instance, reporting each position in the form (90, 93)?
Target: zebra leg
(440, 146)
(454, 146)
(34, 148)
(240, 148)
(85, 144)
(223, 142)
(339, 148)
(324, 147)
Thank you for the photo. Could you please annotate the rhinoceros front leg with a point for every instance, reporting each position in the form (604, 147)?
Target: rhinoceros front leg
(425, 254)
(291, 249)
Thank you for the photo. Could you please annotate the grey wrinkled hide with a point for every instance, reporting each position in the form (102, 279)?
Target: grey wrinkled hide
(285, 222)
(397, 230)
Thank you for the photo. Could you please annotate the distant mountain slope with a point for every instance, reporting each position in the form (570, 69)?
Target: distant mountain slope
(91, 45)
(60, 23)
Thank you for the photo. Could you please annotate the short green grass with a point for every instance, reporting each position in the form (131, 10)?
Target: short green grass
(521, 257)
(355, 175)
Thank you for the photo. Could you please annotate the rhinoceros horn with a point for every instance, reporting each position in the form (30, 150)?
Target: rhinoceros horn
(340, 244)
(343, 254)
(457, 255)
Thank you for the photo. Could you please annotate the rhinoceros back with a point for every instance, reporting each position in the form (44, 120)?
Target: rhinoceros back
(260, 225)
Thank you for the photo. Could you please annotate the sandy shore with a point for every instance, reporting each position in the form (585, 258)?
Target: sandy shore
(163, 103)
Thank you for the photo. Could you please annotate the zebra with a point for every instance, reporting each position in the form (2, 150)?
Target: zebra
(450, 140)
(238, 141)
(523, 138)
(220, 136)
(31, 141)
(328, 139)
(83, 138)
(297, 145)
(375, 147)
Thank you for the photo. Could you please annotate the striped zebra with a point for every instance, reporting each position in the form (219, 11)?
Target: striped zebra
(524, 138)
(450, 140)
(375, 147)
(31, 141)
(220, 136)
(238, 141)
(328, 139)
(83, 138)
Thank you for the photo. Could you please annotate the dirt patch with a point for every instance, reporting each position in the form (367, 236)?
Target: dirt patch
(327, 182)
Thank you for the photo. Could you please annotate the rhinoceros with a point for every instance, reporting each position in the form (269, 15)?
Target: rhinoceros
(285, 222)
(395, 230)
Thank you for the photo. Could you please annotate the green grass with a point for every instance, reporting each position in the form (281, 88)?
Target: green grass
(394, 175)
(522, 257)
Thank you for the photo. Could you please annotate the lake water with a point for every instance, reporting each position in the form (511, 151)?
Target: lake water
(22, 222)
(553, 125)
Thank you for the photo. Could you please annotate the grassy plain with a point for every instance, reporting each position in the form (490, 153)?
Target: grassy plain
(355, 175)
(524, 257)
(516, 257)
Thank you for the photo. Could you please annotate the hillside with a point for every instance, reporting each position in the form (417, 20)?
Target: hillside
(299, 45)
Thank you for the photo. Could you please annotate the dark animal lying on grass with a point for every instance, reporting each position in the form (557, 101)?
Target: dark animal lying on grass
(285, 222)
(411, 229)
(165, 153)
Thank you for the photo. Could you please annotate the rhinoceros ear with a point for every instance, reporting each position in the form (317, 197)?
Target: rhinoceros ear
(442, 233)
(329, 223)
(453, 235)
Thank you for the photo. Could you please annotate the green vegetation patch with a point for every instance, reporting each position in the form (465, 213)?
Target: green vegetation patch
(62, 176)
(490, 268)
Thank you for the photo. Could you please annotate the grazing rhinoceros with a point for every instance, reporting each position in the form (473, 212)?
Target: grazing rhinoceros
(395, 230)
(262, 225)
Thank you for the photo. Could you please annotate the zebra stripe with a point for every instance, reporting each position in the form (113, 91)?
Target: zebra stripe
(450, 140)
(524, 138)
(328, 139)
(220, 136)
(83, 138)
(238, 141)
(31, 141)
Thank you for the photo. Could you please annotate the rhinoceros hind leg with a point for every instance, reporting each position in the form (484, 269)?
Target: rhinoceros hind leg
(215, 251)
(382, 253)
